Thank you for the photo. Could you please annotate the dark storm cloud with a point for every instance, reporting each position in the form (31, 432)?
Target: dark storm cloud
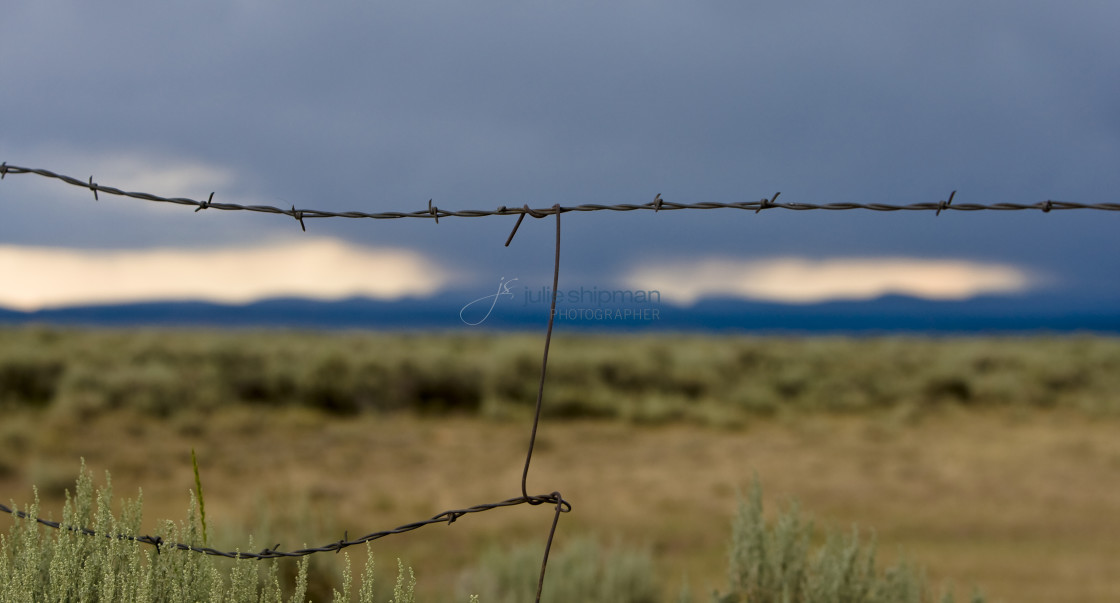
(380, 106)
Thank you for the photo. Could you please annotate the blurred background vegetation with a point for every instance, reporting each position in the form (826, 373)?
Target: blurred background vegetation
(642, 379)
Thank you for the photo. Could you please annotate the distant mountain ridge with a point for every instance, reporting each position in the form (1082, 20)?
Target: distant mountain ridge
(447, 312)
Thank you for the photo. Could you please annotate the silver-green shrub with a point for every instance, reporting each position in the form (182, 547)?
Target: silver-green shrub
(771, 562)
(581, 571)
(39, 563)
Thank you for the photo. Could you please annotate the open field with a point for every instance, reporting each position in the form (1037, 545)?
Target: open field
(993, 463)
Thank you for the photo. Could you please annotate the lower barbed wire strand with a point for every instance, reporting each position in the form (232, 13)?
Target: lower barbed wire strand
(274, 553)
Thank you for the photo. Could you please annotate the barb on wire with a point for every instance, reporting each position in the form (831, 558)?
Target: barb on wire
(657, 205)
(298, 215)
(943, 205)
(205, 204)
(767, 203)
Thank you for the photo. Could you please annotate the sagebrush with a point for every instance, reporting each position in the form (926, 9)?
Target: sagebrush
(639, 378)
(769, 561)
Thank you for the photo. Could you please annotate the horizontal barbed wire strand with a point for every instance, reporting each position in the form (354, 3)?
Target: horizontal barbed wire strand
(275, 552)
(658, 204)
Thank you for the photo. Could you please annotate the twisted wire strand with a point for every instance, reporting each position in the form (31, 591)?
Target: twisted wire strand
(658, 204)
(448, 517)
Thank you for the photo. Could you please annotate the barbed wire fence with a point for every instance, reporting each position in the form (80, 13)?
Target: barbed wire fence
(657, 204)
(434, 213)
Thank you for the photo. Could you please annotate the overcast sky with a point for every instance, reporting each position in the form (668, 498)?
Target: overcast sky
(377, 106)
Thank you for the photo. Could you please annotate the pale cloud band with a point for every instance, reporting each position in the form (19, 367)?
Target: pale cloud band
(798, 280)
(33, 278)
(44, 277)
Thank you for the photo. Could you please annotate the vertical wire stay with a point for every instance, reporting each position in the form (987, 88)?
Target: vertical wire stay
(555, 496)
(544, 358)
(548, 544)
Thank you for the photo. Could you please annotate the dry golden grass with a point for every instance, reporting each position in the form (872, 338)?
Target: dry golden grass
(1024, 504)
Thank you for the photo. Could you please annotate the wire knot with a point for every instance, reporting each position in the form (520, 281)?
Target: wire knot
(205, 204)
(657, 203)
(945, 204)
(554, 498)
(93, 187)
(298, 215)
(1049, 206)
(767, 203)
(3, 170)
(155, 541)
(433, 210)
